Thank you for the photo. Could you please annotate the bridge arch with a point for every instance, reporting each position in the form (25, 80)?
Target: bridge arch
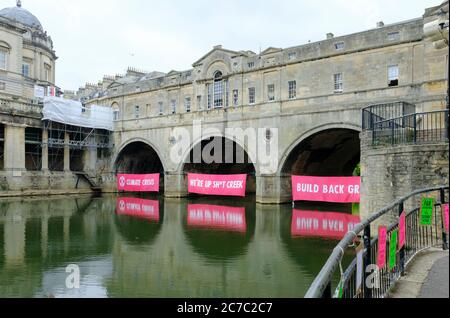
(327, 150)
(317, 130)
(230, 162)
(138, 156)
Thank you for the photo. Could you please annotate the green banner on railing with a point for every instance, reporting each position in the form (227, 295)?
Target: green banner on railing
(393, 250)
(426, 211)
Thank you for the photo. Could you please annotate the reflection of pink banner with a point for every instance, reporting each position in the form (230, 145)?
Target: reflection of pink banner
(445, 212)
(322, 224)
(402, 231)
(382, 239)
(138, 182)
(146, 209)
(217, 217)
(224, 185)
(326, 189)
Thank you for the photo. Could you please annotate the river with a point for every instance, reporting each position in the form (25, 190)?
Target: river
(157, 248)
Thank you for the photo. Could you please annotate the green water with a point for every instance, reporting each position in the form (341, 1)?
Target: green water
(169, 254)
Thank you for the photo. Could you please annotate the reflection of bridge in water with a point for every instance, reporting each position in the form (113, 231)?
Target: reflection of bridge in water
(164, 257)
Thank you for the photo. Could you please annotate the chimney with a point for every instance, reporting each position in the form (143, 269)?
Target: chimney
(217, 47)
(380, 24)
(330, 36)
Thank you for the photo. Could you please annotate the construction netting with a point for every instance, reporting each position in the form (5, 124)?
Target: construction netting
(70, 112)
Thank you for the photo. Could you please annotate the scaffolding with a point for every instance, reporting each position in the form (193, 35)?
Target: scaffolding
(33, 149)
(79, 139)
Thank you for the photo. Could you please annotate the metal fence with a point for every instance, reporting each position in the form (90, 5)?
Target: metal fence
(418, 238)
(416, 128)
(376, 113)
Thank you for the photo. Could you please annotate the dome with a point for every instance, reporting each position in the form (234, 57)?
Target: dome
(22, 16)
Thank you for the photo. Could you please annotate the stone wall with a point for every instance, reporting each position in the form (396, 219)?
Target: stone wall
(389, 173)
(41, 183)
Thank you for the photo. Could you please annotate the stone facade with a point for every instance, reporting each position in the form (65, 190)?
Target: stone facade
(400, 170)
(311, 94)
(27, 55)
(150, 105)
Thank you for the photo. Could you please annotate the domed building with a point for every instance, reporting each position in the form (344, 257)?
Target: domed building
(27, 57)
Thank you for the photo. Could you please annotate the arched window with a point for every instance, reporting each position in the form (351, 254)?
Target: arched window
(218, 91)
(116, 111)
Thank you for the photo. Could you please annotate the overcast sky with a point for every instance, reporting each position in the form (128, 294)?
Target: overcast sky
(97, 37)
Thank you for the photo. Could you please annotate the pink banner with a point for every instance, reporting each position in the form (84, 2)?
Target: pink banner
(138, 182)
(223, 185)
(326, 189)
(382, 239)
(322, 224)
(445, 212)
(146, 209)
(217, 217)
(402, 231)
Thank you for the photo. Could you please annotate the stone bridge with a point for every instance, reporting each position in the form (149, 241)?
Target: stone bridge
(306, 142)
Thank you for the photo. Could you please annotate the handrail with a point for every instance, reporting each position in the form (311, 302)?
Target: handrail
(323, 279)
(410, 115)
(385, 111)
(386, 103)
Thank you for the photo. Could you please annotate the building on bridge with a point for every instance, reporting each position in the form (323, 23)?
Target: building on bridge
(313, 94)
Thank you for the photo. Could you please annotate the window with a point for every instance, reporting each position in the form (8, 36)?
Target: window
(251, 64)
(339, 46)
(292, 89)
(271, 92)
(161, 108)
(235, 97)
(173, 104)
(116, 115)
(136, 112)
(338, 83)
(2, 86)
(394, 36)
(218, 90)
(116, 112)
(199, 102)
(187, 104)
(292, 56)
(251, 95)
(393, 75)
(26, 67)
(48, 73)
(3, 59)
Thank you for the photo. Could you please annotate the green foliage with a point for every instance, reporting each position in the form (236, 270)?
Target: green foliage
(357, 171)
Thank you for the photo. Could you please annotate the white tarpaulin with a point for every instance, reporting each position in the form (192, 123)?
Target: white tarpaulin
(73, 113)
